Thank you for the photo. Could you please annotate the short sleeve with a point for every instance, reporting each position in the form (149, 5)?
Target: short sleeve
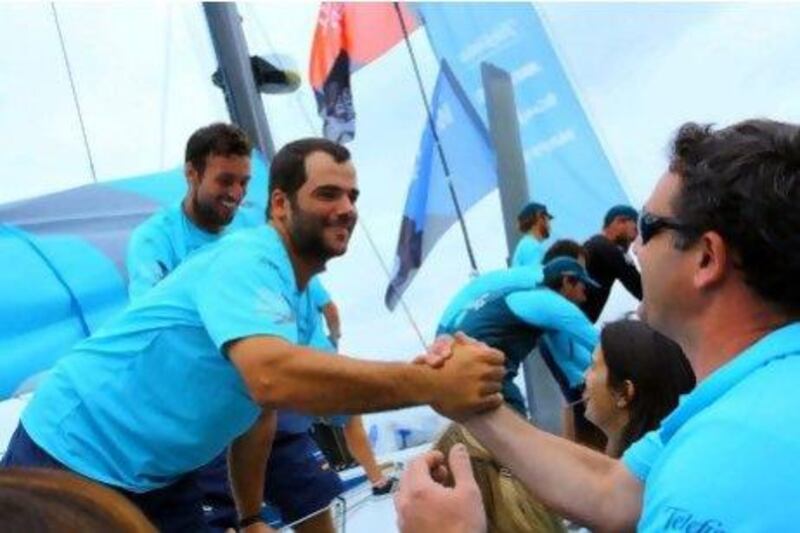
(148, 260)
(243, 294)
(641, 455)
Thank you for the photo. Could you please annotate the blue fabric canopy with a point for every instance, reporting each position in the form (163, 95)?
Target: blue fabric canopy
(64, 273)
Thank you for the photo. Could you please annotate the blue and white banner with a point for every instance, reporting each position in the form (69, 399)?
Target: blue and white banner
(429, 210)
(566, 166)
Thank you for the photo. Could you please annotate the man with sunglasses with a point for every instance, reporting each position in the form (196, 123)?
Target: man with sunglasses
(608, 260)
(720, 258)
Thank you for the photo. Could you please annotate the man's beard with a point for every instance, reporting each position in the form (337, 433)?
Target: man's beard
(207, 216)
(307, 234)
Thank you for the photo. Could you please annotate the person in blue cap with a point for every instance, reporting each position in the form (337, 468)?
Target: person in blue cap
(608, 259)
(533, 222)
(517, 278)
(719, 249)
(514, 320)
(202, 360)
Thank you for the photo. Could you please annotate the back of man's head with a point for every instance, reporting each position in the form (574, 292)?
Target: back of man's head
(743, 182)
(530, 214)
(624, 212)
(216, 139)
(565, 248)
(287, 171)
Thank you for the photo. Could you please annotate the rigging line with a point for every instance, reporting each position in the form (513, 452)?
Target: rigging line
(362, 224)
(265, 37)
(165, 85)
(438, 142)
(74, 92)
(386, 271)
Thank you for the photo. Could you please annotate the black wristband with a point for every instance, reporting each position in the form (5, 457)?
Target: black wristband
(248, 521)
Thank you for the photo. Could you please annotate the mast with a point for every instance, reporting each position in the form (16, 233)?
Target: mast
(544, 396)
(241, 95)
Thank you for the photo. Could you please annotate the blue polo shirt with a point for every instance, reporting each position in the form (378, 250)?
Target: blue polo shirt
(514, 321)
(152, 394)
(160, 243)
(515, 278)
(727, 458)
(529, 252)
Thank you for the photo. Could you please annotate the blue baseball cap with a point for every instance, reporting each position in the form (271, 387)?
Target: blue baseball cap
(533, 209)
(624, 211)
(567, 266)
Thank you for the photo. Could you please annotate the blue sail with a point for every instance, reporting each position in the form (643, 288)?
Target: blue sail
(566, 166)
(68, 271)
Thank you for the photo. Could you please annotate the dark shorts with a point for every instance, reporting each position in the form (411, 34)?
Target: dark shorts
(298, 482)
(174, 508)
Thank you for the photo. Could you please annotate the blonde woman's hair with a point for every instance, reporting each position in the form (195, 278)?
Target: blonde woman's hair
(509, 506)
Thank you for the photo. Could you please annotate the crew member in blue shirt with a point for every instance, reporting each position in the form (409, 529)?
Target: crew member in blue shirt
(201, 361)
(523, 277)
(719, 249)
(533, 222)
(217, 169)
(513, 321)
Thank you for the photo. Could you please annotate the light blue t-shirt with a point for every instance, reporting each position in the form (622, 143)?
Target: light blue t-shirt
(727, 458)
(529, 252)
(318, 294)
(507, 279)
(160, 243)
(151, 395)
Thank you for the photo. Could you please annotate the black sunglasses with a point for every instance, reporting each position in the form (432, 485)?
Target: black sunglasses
(650, 225)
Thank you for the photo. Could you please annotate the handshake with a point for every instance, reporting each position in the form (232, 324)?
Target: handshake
(466, 376)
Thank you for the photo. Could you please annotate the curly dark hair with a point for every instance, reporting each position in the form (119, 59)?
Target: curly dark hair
(743, 182)
(216, 139)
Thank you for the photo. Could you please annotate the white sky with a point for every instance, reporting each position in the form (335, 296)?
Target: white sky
(640, 70)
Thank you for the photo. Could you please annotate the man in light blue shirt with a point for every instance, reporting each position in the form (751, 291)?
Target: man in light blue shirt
(201, 361)
(534, 224)
(514, 278)
(217, 171)
(514, 321)
(720, 259)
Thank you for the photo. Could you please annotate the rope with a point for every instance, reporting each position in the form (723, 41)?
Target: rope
(362, 224)
(74, 92)
(165, 86)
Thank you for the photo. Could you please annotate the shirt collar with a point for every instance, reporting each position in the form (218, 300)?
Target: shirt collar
(782, 342)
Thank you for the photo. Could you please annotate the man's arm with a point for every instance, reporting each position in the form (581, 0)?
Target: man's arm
(581, 484)
(550, 311)
(331, 314)
(625, 271)
(280, 374)
(247, 461)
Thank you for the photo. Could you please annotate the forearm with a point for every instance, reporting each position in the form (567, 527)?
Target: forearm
(331, 313)
(573, 480)
(630, 278)
(309, 381)
(247, 460)
(359, 446)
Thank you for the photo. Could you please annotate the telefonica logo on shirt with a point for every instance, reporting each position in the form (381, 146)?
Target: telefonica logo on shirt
(682, 520)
